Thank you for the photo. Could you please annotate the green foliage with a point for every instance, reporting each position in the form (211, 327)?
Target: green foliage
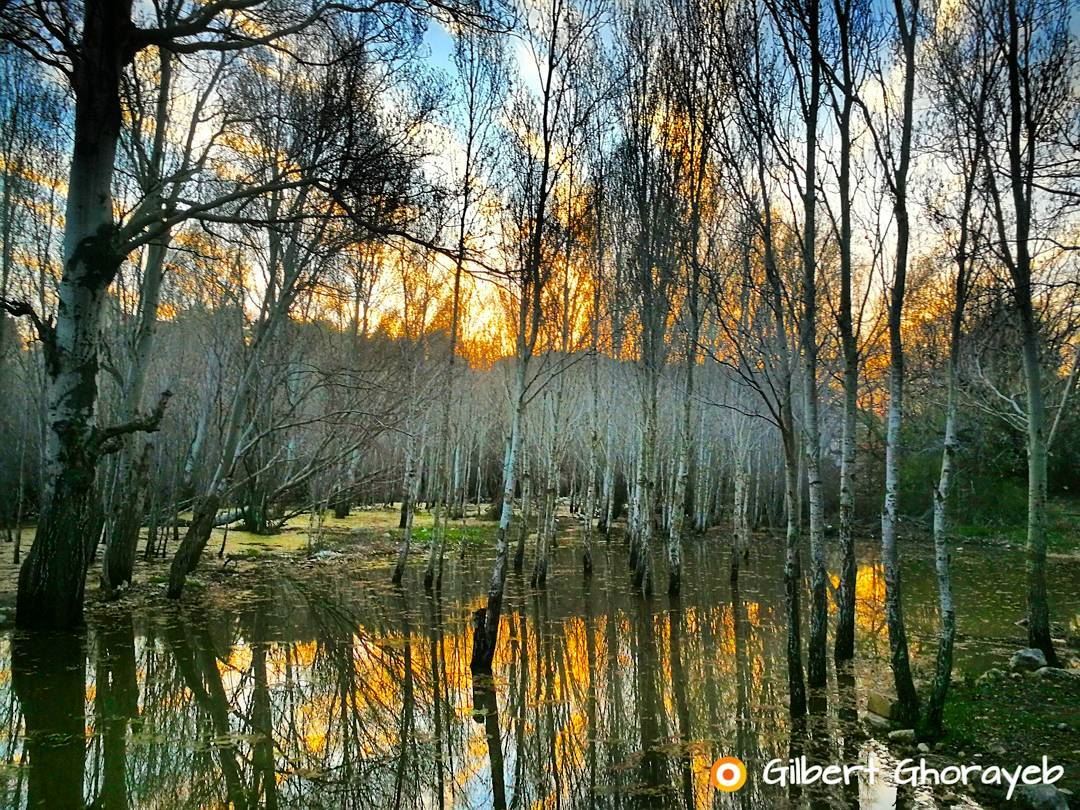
(981, 497)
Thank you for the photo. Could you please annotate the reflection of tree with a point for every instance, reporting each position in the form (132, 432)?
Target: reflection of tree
(11, 794)
(166, 760)
(590, 701)
(536, 757)
(550, 695)
(682, 707)
(745, 739)
(848, 718)
(437, 694)
(520, 662)
(264, 783)
(645, 657)
(406, 736)
(116, 703)
(356, 706)
(486, 711)
(48, 673)
(197, 664)
(351, 699)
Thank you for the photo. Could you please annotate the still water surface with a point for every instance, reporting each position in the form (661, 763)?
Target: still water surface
(333, 691)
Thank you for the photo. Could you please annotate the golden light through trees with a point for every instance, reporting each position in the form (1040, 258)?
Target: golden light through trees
(564, 389)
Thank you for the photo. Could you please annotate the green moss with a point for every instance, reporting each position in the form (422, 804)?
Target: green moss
(472, 536)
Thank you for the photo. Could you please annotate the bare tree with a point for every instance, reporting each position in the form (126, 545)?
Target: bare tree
(844, 62)
(751, 62)
(93, 50)
(557, 31)
(798, 26)
(653, 172)
(481, 73)
(312, 227)
(959, 77)
(895, 155)
(1030, 179)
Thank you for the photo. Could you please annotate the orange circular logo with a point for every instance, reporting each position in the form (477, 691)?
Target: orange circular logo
(727, 774)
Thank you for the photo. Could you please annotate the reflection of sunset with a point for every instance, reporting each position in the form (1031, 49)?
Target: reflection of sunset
(613, 698)
(869, 598)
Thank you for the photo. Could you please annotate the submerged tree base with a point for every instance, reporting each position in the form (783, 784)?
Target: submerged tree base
(483, 654)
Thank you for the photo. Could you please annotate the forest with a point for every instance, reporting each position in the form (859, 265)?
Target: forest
(663, 379)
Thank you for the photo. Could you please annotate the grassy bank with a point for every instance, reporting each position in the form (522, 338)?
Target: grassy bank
(1062, 529)
(1012, 719)
(369, 533)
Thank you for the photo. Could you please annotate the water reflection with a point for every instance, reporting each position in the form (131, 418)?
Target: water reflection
(50, 690)
(335, 693)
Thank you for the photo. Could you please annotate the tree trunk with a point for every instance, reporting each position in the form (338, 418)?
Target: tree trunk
(545, 531)
(195, 539)
(646, 507)
(849, 54)
(590, 501)
(678, 515)
(408, 506)
(943, 672)
(633, 518)
(844, 644)
(890, 555)
(526, 509)
(120, 543)
(1022, 130)
(486, 620)
(1038, 604)
(53, 576)
(793, 581)
(609, 482)
(817, 674)
(118, 564)
(741, 518)
(894, 614)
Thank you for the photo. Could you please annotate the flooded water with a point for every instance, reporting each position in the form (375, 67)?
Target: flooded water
(334, 692)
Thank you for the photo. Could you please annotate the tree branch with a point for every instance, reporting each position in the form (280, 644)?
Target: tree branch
(105, 439)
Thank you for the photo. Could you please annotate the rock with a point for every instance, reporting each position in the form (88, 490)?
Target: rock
(902, 735)
(989, 676)
(998, 750)
(881, 705)
(876, 721)
(1039, 797)
(1054, 673)
(1027, 660)
(325, 554)
(924, 748)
